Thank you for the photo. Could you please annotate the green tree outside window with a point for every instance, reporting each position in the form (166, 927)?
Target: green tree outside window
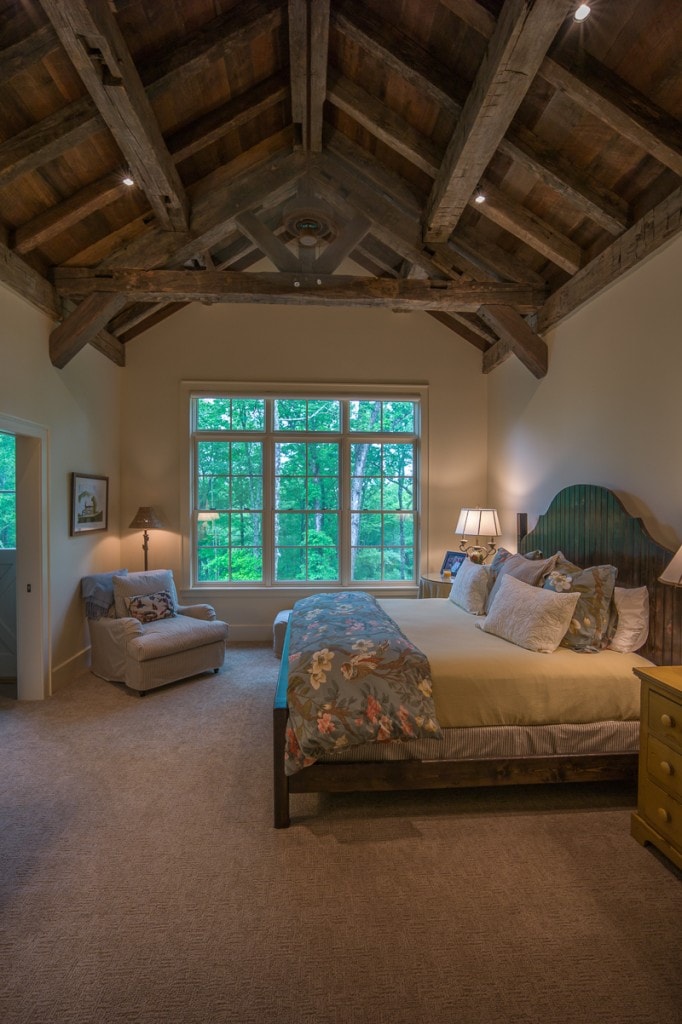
(8, 495)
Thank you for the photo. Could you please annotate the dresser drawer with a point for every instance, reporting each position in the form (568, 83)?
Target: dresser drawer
(665, 717)
(664, 766)
(663, 812)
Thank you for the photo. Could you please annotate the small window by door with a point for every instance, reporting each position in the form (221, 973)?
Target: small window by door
(8, 491)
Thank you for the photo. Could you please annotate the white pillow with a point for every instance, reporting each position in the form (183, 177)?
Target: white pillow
(632, 627)
(522, 614)
(470, 587)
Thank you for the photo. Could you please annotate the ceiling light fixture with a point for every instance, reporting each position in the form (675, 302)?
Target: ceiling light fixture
(479, 197)
(127, 180)
(581, 13)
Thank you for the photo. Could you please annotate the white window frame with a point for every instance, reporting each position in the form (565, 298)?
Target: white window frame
(384, 392)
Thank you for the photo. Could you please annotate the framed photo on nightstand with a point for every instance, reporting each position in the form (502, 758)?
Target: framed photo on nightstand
(452, 561)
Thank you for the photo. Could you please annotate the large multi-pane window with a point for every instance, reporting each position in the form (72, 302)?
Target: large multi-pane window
(304, 489)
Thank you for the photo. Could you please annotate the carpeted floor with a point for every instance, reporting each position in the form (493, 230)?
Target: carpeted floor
(141, 881)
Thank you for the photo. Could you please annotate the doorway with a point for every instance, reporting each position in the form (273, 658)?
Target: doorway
(30, 583)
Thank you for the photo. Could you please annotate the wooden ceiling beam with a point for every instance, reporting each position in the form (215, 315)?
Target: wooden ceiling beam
(261, 235)
(308, 58)
(531, 230)
(16, 58)
(398, 228)
(201, 133)
(296, 288)
(586, 194)
(82, 325)
(213, 218)
(521, 339)
(595, 88)
(91, 37)
(614, 102)
(516, 49)
(26, 282)
(48, 139)
(350, 235)
(657, 227)
(225, 37)
(217, 123)
(71, 211)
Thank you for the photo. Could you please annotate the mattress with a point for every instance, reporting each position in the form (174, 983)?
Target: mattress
(480, 680)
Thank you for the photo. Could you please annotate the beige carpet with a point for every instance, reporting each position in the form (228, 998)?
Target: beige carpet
(142, 882)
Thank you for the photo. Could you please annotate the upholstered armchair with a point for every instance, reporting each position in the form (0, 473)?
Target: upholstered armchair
(142, 636)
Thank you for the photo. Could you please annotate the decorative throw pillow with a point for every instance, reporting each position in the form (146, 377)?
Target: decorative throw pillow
(632, 619)
(594, 587)
(529, 570)
(150, 607)
(470, 587)
(136, 584)
(529, 616)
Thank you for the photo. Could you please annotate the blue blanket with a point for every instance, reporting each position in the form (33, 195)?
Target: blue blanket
(353, 677)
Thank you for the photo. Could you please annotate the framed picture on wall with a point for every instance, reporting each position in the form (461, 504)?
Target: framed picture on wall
(89, 503)
(452, 561)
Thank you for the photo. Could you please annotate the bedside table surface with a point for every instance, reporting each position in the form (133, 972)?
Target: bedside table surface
(669, 675)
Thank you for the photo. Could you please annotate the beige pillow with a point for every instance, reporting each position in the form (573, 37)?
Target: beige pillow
(523, 615)
(530, 570)
(470, 587)
(138, 584)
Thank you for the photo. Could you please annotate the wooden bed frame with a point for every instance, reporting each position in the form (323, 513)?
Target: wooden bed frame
(591, 526)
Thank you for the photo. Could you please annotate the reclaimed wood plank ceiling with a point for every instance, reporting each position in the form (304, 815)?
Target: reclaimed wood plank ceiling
(492, 162)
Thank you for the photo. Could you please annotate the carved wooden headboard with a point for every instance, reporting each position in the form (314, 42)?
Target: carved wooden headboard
(592, 527)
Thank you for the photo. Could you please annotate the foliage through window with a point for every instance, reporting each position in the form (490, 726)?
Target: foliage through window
(304, 489)
(8, 502)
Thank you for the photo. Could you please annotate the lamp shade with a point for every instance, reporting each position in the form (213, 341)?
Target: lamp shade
(672, 573)
(478, 522)
(146, 518)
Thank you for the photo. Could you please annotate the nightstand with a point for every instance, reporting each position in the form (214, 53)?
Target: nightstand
(658, 818)
(434, 586)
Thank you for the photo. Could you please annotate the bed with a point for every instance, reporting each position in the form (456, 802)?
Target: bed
(584, 724)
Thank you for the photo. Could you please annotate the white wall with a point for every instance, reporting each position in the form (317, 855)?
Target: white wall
(284, 343)
(79, 407)
(608, 412)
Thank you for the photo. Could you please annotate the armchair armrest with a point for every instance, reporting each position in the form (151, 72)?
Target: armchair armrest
(197, 611)
(108, 641)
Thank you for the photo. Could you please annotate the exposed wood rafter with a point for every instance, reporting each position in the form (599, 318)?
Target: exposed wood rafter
(91, 37)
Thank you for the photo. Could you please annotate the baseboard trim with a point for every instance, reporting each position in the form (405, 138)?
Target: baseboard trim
(63, 674)
(254, 634)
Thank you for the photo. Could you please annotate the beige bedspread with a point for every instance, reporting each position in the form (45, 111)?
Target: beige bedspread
(480, 679)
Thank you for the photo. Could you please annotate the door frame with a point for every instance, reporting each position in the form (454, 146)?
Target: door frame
(34, 656)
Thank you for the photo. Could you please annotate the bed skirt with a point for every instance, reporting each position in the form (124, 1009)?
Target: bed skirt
(502, 741)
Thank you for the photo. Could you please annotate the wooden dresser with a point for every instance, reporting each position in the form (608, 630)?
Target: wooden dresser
(658, 818)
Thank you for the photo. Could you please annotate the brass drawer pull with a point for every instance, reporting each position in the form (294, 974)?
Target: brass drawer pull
(667, 768)
(663, 814)
(667, 721)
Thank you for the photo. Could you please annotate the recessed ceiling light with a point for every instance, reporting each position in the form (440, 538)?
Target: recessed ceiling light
(479, 197)
(127, 180)
(581, 13)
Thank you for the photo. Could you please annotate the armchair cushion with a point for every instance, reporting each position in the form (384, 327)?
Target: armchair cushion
(139, 584)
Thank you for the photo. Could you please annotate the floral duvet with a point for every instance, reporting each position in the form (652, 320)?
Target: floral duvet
(353, 677)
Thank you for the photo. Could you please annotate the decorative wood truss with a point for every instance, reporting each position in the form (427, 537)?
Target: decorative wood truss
(277, 146)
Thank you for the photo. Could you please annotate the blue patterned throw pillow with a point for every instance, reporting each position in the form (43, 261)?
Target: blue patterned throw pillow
(589, 626)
